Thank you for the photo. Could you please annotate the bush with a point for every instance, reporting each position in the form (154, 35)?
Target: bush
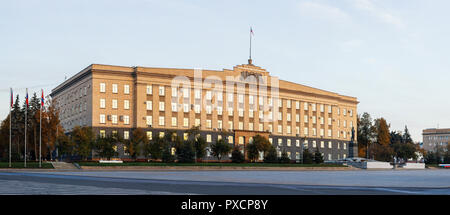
(284, 157)
(237, 156)
(185, 152)
(167, 156)
(271, 156)
(318, 158)
(308, 157)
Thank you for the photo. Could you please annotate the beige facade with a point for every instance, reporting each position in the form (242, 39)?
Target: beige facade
(118, 99)
(435, 137)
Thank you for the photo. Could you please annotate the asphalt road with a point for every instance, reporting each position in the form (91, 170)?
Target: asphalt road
(151, 182)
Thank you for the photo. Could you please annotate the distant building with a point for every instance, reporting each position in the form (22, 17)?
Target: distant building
(433, 137)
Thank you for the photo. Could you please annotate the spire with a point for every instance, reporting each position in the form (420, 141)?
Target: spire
(250, 51)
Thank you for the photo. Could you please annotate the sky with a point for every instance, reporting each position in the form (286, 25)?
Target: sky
(393, 55)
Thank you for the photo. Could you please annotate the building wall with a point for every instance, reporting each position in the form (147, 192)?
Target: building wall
(433, 138)
(339, 112)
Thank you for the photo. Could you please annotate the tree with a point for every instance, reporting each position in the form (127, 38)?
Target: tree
(318, 158)
(156, 147)
(252, 151)
(220, 149)
(66, 145)
(308, 157)
(138, 143)
(365, 134)
(284, 157)
(185, 151)
(200, 147)
(83, 138)
(382, 150)
(237, 156)
(262, 143)
(271, 155)
(105, 147)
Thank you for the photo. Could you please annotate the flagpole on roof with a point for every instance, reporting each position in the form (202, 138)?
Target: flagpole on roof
(250, 50)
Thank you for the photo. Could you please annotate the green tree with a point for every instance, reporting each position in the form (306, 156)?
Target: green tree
(252, 151)
(284, 157)
(318, 158)
(185, 151)
(83, 138)
(105, 147)
(220, 149)
(200, 147)
(156, 147)
(237, 156)
(308, 157)
(365, 134)
(271, 155)
(138, 143)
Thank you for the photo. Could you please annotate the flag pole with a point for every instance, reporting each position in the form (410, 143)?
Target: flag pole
(250, 51)
(40, 129)
(26, 112)
(10, 127)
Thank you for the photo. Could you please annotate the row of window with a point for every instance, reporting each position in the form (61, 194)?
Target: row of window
(219, 96)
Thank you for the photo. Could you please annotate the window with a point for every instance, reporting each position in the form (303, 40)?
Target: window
(126, 135)
(288, 129)
(149, 120)
(241, 98)
(297, 117)
(288, 117)
(230, 139)
(197, 108)
(174, 107)
(174, 92)
(305, 106)
(280, 102)
(314, 144)
(126, 120)
(322, 132)
(197, 94)
(102, 103)
(322, 144)
(149, 105)
(102, 87)
(261, 100)
(314, 131)
(313, 107)
(322, 120)
(161, 121)
(314, 119)
(329, 109)
(297, 105)
(219, 124)
(280, 141)
(250, 126)
(174, 121)
(114, 104)
(241, 112)
(102, 133)
(114, 119)
(297, 143)
(329, 156)
(241, 125)
(329, 145)
(161, 91)
(305, 131)
(230, 125)
(126, 104)
(230, 111)
(197, 122)
(288, 103)
(322, 109)
(126, 89)
(186, 108)
(288, 142)
(329, 121)
(344, 112)
(208, 95)
(280, 129)
(297, 130)
(149, 89)
(250, 99)
(186, 122)
(208, 138)
(219, 110)
(329, 132)
(185, 93)
(161, 106)
(261, 127)
(102, 118)
(149, 135)
(185, 136)
(219, 96)
(305, 118)
(230, 97)
(208, 123)
(280, 116)
(208, 109)
(114, 88)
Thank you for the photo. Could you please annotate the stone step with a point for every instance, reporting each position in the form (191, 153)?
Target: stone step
(63, 165)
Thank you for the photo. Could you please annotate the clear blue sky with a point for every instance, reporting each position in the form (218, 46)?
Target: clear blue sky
(393, 55)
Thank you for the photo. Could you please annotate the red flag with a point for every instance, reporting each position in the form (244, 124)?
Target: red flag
(26, 98)
(42, 98)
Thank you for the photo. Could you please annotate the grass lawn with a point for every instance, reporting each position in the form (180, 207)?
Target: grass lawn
(208, 164)
(29, 165)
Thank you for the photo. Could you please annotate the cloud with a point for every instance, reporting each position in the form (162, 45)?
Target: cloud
(379, 12)
(351, 45)
(322, 11)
